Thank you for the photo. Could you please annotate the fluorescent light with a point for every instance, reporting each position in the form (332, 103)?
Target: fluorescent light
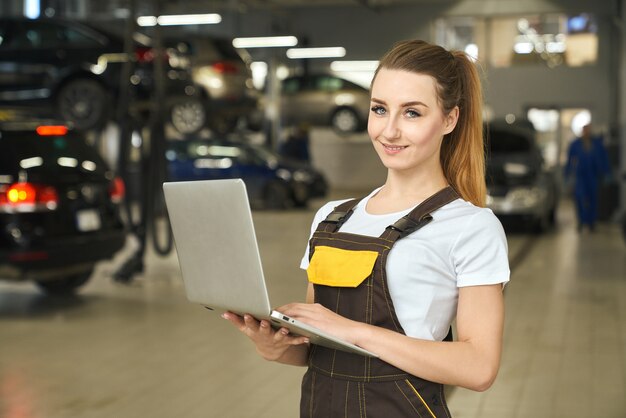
(204, 19)
(354, 65)
(171, 20)
(330, 52)
(32, 9)
(265, 42)
(147, 20)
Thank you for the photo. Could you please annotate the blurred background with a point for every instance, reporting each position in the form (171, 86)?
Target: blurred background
(101, 102)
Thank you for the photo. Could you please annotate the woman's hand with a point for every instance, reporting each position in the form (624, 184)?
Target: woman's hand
(270, 344)
(323, 318)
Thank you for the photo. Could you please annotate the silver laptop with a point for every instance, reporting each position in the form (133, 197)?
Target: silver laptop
(219, 257)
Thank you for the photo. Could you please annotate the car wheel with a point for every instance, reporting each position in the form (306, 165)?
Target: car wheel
(300, 195)
(188, 117)
(277, 196)
(84, 103)
(345, 120)
(65, 286)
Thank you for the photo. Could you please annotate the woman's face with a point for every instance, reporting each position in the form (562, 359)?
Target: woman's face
(406, 123)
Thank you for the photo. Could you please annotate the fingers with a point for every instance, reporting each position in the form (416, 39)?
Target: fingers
(262, 331)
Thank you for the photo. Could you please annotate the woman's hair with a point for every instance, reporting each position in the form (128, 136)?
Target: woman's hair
(458, 84)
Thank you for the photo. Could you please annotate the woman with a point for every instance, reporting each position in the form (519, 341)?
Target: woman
(390, 272)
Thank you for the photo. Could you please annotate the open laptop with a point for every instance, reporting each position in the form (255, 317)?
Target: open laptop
(219, 256)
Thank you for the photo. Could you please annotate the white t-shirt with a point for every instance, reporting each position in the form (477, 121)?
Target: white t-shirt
(463, 245)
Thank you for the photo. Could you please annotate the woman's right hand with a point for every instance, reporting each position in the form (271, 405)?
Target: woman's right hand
(271, 344)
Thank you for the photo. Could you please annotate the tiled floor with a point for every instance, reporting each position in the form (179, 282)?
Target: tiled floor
(143, 351)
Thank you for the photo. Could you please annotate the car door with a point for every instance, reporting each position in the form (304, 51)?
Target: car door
(22, 69)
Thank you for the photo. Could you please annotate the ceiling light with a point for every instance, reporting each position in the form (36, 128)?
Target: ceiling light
(354, 65)
(330, 52)
(172, 20)
(265, 42)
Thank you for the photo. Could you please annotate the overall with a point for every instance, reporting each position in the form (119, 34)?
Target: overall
(348, 273)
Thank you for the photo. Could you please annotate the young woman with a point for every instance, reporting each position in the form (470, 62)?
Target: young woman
(390, 272)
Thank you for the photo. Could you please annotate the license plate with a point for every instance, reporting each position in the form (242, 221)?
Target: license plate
(88, 220)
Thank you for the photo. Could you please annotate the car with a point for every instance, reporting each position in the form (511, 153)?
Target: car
(272, 181)
(73, 71)
(324, 100)
(223, 75)
(59, 207)
(519, 187)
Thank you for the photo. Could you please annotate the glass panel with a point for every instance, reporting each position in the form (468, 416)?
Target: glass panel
(551, 39)
(462, 33)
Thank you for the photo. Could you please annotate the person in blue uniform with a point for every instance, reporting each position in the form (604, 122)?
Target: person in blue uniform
(587, 166)
(392, 270)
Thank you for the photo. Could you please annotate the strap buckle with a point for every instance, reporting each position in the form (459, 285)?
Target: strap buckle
(406, 225)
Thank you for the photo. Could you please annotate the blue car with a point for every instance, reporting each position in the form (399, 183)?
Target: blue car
(273, 182)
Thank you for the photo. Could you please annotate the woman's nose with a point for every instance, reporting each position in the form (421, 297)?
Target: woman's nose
(392, 129)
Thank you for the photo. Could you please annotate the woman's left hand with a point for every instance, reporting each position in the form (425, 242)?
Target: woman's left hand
(323, 318)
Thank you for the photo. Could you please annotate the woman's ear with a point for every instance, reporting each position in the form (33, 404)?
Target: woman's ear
(450, 120)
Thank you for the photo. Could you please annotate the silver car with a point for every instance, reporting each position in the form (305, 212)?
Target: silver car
(325, 100)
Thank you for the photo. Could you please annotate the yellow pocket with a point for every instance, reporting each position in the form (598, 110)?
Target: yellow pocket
(331, 266)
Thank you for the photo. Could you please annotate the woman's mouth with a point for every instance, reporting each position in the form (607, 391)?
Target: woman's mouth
(393, 149)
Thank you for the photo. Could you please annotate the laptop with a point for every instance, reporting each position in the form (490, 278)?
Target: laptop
(219, 256)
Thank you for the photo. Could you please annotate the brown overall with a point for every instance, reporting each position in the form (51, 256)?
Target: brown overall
(341, 384)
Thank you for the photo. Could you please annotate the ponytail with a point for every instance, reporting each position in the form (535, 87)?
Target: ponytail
(463, 149)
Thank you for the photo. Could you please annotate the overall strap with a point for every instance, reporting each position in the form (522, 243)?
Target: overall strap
(419, 216)
(338, 216)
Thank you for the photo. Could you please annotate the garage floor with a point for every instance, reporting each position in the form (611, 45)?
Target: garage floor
(141, 350)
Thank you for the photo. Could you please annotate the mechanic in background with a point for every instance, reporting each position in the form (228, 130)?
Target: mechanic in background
(588, 163)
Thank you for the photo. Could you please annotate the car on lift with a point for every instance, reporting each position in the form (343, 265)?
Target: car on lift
(73, 71)
(519, 186)
(324, 100)
(59, 207)
(272, 181)
(224, 77)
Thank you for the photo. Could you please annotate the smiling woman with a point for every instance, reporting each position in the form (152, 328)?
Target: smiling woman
(416, 254)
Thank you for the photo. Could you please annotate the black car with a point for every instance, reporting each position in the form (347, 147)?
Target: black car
(271, 180)
(519, 187)
(59, 211)
(75, 69)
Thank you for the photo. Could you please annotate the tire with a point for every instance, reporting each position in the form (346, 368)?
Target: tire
(188, 117)
(65, 286)
(277, 196)
(345, 120)
(84, 103)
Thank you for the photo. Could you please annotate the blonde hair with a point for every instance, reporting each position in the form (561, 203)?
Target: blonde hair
(458, 84)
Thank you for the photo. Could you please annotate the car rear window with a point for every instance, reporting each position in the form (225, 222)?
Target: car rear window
(508, 142)
(52, 154)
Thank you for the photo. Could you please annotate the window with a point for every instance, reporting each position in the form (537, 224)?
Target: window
(548, 39)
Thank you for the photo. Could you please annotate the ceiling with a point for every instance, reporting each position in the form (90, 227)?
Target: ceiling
(244, 5)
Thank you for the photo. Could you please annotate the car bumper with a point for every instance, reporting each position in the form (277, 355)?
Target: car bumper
(531, 201)
(61, 257)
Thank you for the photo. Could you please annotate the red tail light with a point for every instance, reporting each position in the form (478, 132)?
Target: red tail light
(117, 190)
(54, 130)
(225, 67)
(146, 55)
(28, 197)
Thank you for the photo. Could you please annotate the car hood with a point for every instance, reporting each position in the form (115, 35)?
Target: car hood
(511, 170)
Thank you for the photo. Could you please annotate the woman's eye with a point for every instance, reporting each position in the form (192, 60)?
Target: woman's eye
(412, 113)
(379, 110)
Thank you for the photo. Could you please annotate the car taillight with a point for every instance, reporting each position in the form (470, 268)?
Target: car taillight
(225, 67)
(146, 55)
(117, 190)
(51, 130)
(28, 197)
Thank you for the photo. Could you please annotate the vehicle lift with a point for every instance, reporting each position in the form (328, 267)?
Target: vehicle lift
(152, 163)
